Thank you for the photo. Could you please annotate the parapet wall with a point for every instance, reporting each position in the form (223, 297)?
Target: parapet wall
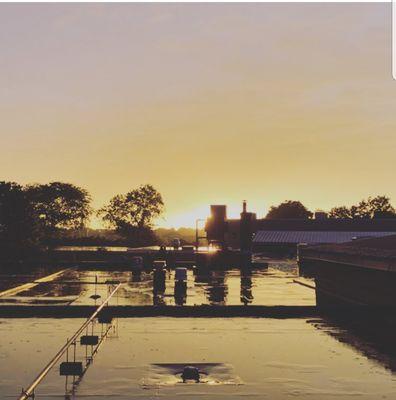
(351, 273)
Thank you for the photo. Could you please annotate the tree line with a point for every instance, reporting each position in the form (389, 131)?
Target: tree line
(37, 216)
(33, 217)
(372, 207)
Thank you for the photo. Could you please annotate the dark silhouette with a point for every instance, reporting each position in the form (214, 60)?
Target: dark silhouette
(159, 278)
(137, 208)
(180, 293)
(190, 373)
(373, 207)
(60, 206)
(136, 275)
(289, 209)
(246, 286)
(217, 289)
(132, 214)
(20, 226)
(33, 216)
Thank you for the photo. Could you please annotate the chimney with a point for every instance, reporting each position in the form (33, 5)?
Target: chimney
(244, 206)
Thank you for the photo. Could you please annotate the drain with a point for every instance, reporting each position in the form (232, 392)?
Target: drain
(190, 373)
(169, 374)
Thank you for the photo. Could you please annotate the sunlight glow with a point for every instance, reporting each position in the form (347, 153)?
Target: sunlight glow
(186, 219)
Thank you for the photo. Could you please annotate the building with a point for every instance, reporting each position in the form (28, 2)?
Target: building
(230, 232)
(250, 233)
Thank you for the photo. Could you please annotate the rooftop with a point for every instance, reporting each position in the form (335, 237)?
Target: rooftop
(313, 237)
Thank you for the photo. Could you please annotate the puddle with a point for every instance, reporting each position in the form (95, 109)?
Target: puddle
(274, 359)
(166, 374)
(274, 286)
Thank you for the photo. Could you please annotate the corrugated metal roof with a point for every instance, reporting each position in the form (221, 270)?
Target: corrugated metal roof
(313, 237)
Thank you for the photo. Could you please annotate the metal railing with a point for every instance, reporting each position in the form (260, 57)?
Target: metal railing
(29, 392)
(89, 361)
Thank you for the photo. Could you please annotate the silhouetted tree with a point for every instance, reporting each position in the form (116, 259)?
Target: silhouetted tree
(344, 212)
(20, 227)
(132, 214)
(373, 207)
(384, 214)
(339, 212)
(60, 205)
(289, 209)
(379, 206)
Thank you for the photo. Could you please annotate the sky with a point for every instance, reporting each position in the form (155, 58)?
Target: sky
(210, 103)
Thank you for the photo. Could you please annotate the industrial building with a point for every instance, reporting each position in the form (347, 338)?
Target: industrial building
(249, 233)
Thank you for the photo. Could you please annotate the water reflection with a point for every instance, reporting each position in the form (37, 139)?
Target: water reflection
(159, 286)
(203, 286)
(372, 335)
(180, 293)
(12, 275)
(159, 278)
(137, 276)
(217, 288)
(246, 287)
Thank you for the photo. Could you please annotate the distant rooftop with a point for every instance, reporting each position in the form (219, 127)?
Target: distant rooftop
(313, 237)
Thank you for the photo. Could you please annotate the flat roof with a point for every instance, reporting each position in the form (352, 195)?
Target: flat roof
(313, 237)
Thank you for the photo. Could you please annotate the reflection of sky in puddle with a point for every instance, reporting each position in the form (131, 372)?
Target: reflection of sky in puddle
(166, 374)
(274, 286)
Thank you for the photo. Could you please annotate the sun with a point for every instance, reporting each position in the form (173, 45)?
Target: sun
(186, 219)
(189, 217)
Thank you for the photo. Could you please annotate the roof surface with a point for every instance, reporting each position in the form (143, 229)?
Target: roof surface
(312, 237)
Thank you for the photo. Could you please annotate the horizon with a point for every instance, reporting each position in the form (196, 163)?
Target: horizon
(210, 103)
(202, 213)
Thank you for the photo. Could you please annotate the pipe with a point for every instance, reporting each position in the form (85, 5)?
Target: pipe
(29, 392)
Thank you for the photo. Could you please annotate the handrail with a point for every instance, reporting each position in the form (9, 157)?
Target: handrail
(89, 362)
(29, 392)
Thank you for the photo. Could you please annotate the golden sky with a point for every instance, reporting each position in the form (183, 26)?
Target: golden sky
(210, 103)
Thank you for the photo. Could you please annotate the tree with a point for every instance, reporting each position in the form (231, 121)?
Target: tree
(20, 228)
(345, 212)
(133, 214)
(60, 205)
(339, 212)
(373, 207)
(380, 206)
(289, 209)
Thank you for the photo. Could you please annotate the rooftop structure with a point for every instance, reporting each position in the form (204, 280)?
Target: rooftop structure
(313, 237)
(239, 233)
